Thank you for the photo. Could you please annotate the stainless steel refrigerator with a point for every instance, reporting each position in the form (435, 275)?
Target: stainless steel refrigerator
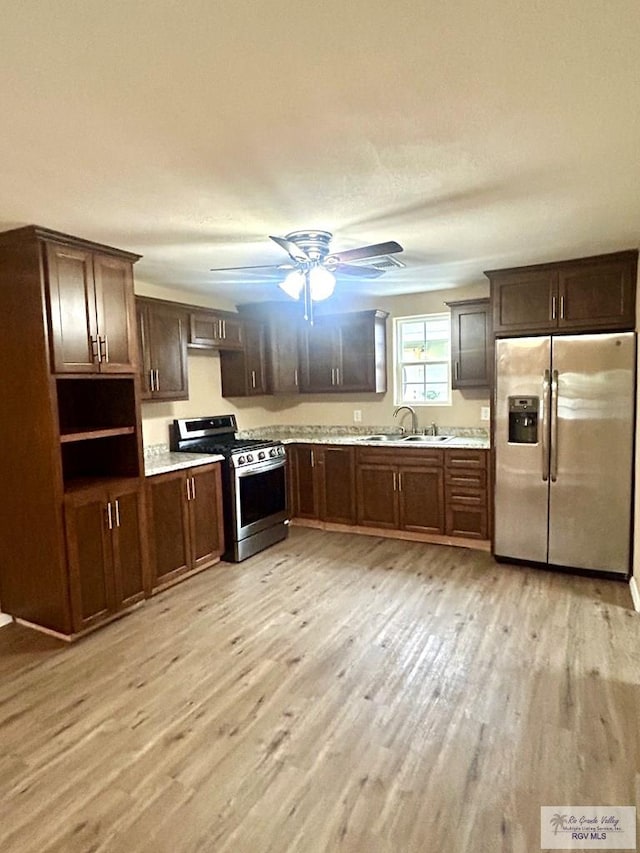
(564, 450)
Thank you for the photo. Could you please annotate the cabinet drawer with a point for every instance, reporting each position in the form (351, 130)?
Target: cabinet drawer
(469, 522)
(428, 458)
(465, 497)
(464, 478)
(465, 458)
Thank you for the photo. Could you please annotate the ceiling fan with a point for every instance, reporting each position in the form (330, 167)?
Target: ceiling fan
(313, 266)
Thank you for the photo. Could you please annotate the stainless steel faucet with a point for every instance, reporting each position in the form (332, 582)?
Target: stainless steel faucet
(434, 428)
(414, 417)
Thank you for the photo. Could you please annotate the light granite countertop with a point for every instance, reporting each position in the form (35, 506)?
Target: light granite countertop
(159, 460)
(469, 438)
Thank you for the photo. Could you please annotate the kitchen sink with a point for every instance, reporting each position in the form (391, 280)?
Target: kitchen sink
(382, 437)
(428, 439)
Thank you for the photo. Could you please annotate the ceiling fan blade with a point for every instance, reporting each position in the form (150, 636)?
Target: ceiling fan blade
(374, 251)
(362, 272)
(294, 251)
(257, 267)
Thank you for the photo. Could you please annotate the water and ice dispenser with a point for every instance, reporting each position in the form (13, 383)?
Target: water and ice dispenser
(523, 420)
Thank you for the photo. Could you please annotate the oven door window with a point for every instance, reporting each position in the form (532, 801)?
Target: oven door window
(262, 494)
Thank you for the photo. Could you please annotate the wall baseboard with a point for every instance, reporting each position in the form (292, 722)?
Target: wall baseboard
(635, 592)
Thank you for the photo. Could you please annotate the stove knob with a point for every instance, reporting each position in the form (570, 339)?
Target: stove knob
(261, 455)
(240, 460)
(249, 457)
(273, 452)
(281, 451)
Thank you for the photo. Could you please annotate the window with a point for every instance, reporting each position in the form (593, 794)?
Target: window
(422, 358)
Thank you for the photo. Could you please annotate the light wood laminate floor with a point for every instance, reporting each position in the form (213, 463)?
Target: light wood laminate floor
(335, 693)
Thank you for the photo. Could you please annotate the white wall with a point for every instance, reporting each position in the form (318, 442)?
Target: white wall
(205, 395)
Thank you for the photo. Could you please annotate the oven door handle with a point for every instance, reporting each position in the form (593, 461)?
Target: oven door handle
(257, 469)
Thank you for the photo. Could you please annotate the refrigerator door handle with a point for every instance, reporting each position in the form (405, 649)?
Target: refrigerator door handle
(545, 424)
(554, 426)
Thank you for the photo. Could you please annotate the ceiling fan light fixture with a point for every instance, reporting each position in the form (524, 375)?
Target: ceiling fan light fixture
(293, 284)
(322, 283)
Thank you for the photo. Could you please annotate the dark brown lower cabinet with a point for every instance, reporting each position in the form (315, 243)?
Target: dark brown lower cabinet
(106, 551)
(466, 493)
(400, 490)
(427, 491)
(323, 482)
(185, 522)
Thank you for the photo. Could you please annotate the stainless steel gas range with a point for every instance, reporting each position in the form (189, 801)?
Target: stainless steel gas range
(253, 477)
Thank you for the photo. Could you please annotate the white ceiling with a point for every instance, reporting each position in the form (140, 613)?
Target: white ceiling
(477, 134)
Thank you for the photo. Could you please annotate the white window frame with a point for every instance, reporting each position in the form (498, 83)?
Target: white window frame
(398, 363)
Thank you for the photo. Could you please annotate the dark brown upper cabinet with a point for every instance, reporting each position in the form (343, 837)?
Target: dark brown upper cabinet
(91, 305)
(281, 322)
(344, 352)
(244, 372)
(215, 330)
(163, 332)
(471, 343)
(583, 295)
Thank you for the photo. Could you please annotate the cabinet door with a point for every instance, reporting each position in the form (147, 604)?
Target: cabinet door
(244, 373)
(421, 493)
(377, 496)
(337, 484)
(304, 491)
(115, 307)
(254, 347)
(90, 554)
(525, 301)
(129, 555)
(471, 343)
(167, 333)
(601, 295)
(74, 330)
(356, 361)
(205, 515)
(282, 355)
(144, 349)
(168, 527)
(210, 330)
(320, 347)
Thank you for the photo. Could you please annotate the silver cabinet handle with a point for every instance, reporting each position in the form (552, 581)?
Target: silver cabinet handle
(562, 307)
(224, 330)
(151, 388)
(95, 349)
(295, 376)
(157, 372)
(117, 507)
(253, 379)
(333, 376)
(544, 424)
(337, 375)
(554, 426)
(457, 370)
(313, 461)
(399, 481)
(109, 516)
(193, 488)
(103, 349)
(188, 488)
(553, 307)
(395, 482)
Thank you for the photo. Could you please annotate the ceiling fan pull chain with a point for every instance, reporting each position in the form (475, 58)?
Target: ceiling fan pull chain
(308, 303)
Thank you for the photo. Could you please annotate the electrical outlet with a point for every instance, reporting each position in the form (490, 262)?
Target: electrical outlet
(485, 413)
(357, 416)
